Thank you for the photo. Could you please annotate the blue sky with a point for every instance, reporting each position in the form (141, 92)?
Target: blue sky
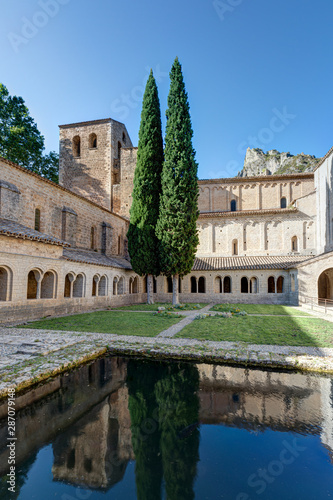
(258, 73)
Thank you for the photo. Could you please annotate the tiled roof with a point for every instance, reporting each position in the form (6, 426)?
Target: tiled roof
(246, 263)
(257, 178)
(11, 228)
(91, 257)
(324, 158)
(244, 213)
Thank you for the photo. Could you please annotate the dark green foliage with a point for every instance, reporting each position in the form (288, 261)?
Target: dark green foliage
(164, 409)
(20, 140)
(176, 227)
(142, 240)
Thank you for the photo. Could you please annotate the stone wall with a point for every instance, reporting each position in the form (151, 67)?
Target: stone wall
(324, 208)
(254, 193)
(57, 205)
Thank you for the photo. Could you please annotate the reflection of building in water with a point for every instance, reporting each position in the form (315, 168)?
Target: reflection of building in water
(94, 452)
(255, 399)
(46, 410)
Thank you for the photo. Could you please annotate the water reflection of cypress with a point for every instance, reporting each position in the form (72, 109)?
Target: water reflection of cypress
(163, 401)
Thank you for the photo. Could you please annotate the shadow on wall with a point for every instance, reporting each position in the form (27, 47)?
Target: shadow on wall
(77, 177)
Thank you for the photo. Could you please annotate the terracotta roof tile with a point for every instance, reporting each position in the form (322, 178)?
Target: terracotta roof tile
(11, 228)
(91, 257)
(247, 263)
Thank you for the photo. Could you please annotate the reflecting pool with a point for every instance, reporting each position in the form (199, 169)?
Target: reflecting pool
(125, 429)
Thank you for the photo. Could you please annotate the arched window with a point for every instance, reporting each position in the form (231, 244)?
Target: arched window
(78, 286)
(271, 284)
(235, 247)
(244, 285)
(32, 286)
(115, 286)
(121, 286)
(120, 241)
(193, 284)
(233, 205)
(253, 285)
(5, 284)
(294, 244)
(280, 284)
(227, 285)
(119, 149)
(94, 285)
(37, 219)
(154, 285)
(48, 286)
(179, 285)
(102, 287)
(92, 238)
(124, 138)
(283, 202)
(76, 145)
(218, 285)
(68, 287)
(169, 285)
(201, 285)
(93, 141)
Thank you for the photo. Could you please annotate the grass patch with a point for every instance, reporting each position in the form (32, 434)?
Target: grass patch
(260, 330)
(167, 305)
(120, 323)
(260, 309)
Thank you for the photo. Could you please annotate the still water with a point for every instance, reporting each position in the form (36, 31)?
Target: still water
(125, 429)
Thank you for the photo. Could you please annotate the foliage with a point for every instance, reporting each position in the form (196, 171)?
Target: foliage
(176, 226)
(142, 240)
(20, 140)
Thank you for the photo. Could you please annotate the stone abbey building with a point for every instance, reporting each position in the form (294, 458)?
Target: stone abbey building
(263, 239)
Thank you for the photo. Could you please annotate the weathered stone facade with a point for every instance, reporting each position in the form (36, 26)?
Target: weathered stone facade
(63, 248)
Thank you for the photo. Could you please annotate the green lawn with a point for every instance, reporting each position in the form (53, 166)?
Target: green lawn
(260, 330)
(120, 323)
(154, 307)
(261, 309)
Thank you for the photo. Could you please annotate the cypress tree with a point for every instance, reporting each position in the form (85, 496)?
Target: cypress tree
(142, 240)
(176, 227)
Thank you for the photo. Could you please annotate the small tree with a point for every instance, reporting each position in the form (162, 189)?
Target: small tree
(176, 227)
(20, 139)
(142, 240)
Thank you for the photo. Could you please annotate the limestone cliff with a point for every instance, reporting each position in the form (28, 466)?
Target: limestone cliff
(257, 162)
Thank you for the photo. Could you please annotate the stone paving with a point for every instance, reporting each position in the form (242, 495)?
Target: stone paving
(28, 356)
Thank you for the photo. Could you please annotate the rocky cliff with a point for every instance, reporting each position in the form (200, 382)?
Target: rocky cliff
(257, 162)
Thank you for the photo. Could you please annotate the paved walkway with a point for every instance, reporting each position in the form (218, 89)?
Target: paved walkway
(190, 315)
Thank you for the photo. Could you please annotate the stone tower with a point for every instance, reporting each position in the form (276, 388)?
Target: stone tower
(90, 162)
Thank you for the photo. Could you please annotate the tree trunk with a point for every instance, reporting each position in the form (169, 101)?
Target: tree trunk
(175, 294)
(150, 290)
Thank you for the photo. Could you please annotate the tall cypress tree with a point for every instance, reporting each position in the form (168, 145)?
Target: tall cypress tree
(142, 240)
(176, 227)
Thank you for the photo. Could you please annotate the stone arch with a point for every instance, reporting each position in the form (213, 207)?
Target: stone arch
(34, 280)
(95, 282)
(48, 285)
(6, 279)
(325, 284)
(103, 286)
(134, 284)
(271, 285)
(115, 285)
(154, 285)
(280, 284)
(202, 284)
(227, 284)
(78, 286)
(218, 284)
(244, 285)
(93, 141)
(194, 284)
(121, 286)
(76, 146)
(68, 291)
(254, 284)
